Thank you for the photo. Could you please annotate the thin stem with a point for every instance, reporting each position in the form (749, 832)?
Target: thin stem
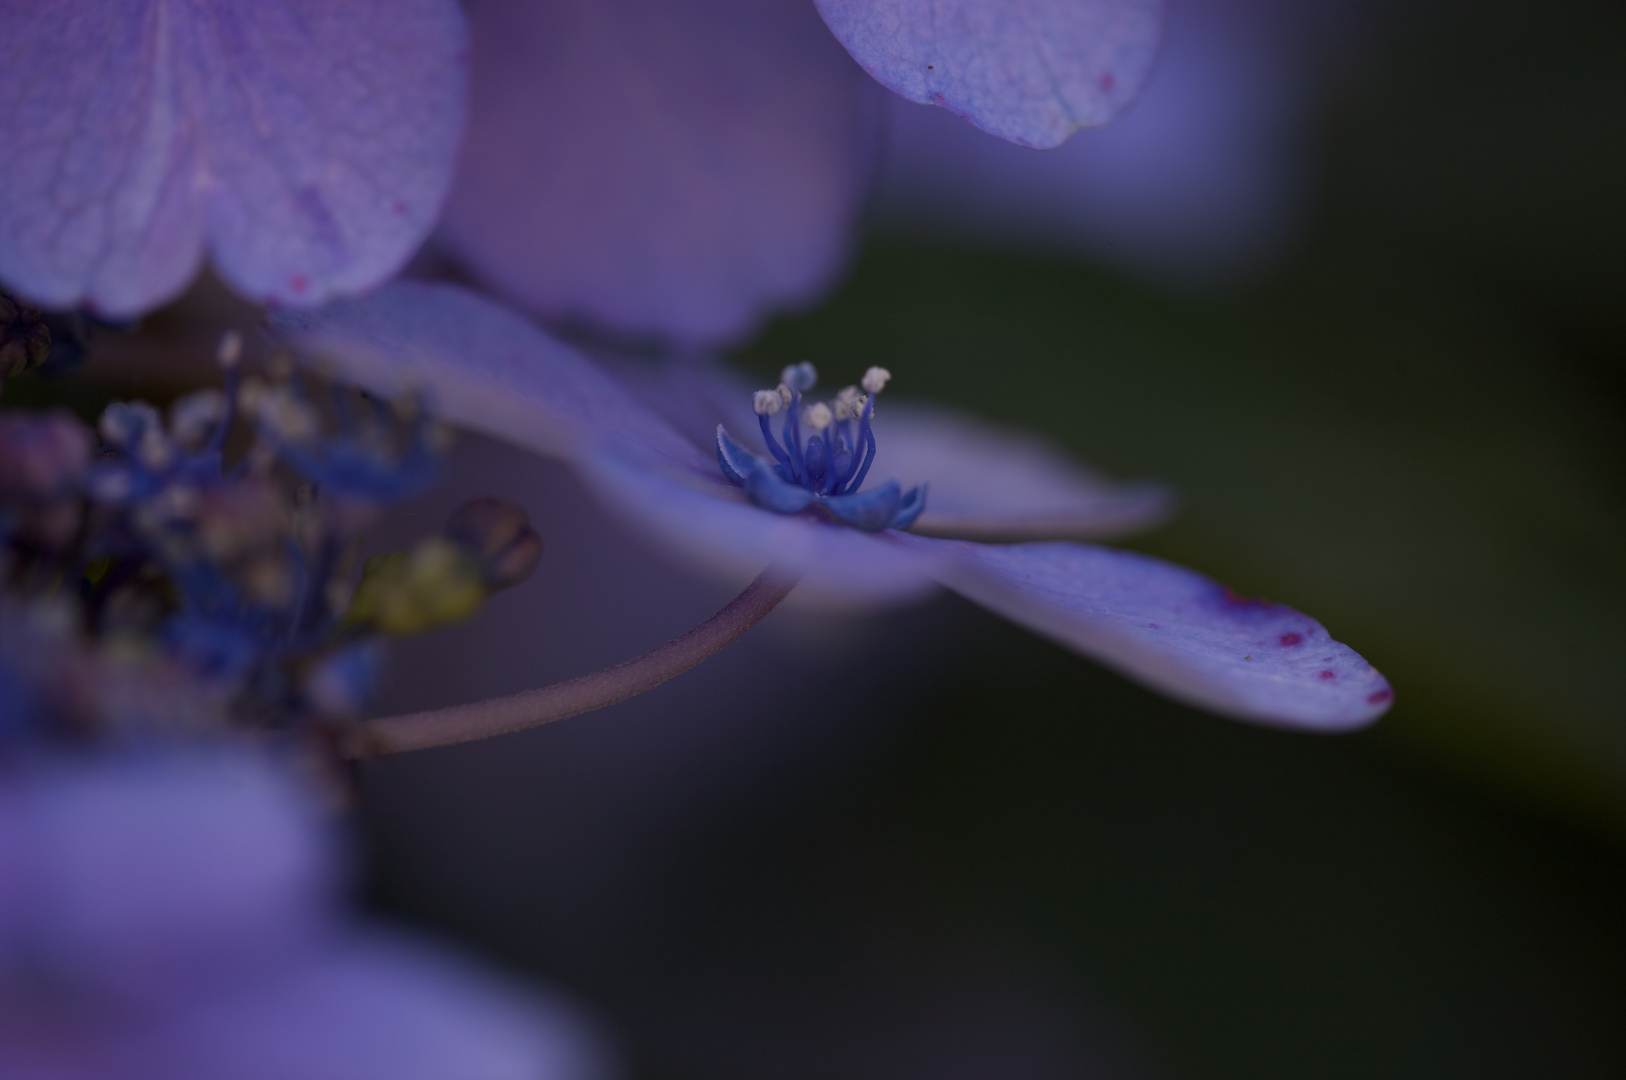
(498, 716)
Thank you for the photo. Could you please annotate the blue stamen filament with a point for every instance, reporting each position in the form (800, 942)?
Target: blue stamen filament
(830, 466)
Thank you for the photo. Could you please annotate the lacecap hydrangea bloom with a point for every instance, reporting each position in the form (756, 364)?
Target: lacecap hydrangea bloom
(668, 169)
(804, 504)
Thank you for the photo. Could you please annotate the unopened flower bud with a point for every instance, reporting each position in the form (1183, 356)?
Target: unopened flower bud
(407, 592)
(122, 422)
(498, 534)
(25, 340)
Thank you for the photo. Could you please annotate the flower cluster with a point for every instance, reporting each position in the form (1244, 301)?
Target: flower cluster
(183, 569)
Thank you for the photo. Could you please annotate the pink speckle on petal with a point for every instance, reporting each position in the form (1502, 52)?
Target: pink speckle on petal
(398, 208)
(1108, 81)
(1378, 697)
(298, 282)
(1291, 639)
(1329, 674)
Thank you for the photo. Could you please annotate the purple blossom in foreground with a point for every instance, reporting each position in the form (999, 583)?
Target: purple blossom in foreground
(305, 145)
(658, 167)
(171, 918)
(1166, 626)
(673, 168)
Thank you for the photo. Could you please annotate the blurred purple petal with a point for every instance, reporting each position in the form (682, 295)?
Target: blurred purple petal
(711, 524)
(307, 144)
(144, 876)
(483, 367)
(1175, 630)
(992, 483)
(169, 918)
(370, 1006)
(1205, 179)
(1029, 71)
(660, 168)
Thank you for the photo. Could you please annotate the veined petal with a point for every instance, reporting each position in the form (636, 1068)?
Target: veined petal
(670, 168)
(485, 368)
(991, 483)
(307, 144)
(1172, 629)
(1030, 71)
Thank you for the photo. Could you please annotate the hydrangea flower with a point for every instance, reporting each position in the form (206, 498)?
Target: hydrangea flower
(701, 161)
(658, 168)
(305, 145)
(173, 916)
(1166, 626)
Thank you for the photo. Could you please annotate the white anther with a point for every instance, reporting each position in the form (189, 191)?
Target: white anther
(849, 403)
(121, 420)
(801, 377)
(766, 403)
(784, 394)
(875, 379)
(230, 349)
(154, 450)
(817, 417)
(286, 416)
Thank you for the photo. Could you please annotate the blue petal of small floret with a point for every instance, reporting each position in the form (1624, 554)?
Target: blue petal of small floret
(1031, 71)
(914, 501)
(766, 490)
(735, 460)
(871, 510)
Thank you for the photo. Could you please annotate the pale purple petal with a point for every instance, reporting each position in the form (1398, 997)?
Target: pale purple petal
(366, 1006)
(145, 876)
(1204, 182)
(485, 368)
(663, 167)
(992, 483)
(306, 144)
(1172, 629)
(712, 526)
(1030, 71)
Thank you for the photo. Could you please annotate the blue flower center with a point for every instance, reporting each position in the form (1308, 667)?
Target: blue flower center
(822, 454)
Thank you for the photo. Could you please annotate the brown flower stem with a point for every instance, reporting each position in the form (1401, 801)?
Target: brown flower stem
(531, 708)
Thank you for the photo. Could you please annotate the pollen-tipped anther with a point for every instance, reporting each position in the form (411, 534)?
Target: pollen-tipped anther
(875, 379)
(800, 377)
(230, 350)
(767, 402)
(817, 417)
